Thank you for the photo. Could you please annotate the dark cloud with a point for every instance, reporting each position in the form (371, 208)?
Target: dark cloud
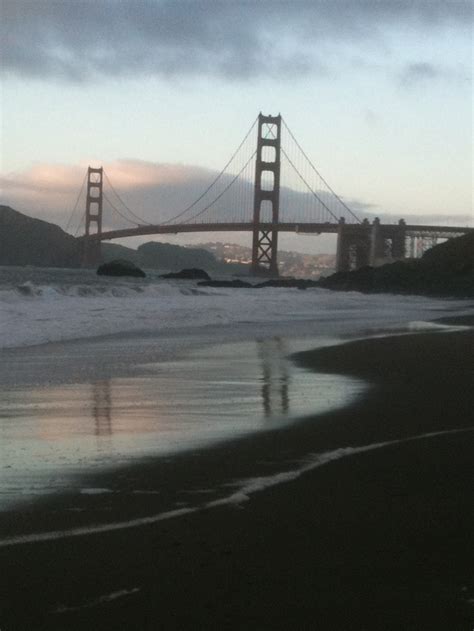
(423, 71)
(81, 39)
(156, 192)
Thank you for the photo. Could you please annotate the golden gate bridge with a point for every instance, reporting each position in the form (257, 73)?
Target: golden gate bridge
(271, 188)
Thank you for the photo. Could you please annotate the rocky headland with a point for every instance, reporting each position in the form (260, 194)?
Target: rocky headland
(446, 269)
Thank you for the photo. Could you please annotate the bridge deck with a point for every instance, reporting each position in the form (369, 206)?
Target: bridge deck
(300, 228)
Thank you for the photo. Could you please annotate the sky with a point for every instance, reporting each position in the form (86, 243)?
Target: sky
(378, 93)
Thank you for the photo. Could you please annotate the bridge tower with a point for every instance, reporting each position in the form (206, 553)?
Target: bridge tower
(265, 232)
(91, 254)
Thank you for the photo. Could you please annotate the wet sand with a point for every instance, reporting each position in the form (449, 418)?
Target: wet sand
(379, 539)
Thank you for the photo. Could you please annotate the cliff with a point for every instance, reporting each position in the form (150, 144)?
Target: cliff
(444, 270)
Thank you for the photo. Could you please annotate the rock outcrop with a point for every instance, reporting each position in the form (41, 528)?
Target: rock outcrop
(120, 267)
(298, 283)
(188, 274)
(444, 270)
(236, 283)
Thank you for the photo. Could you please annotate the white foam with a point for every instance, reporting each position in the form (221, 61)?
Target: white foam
(35, 313)
(106, 598)
(435, 326)
(245, 489)
(257, 485)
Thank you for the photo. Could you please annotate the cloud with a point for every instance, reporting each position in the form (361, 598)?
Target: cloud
(423, 71)
(49, 191)
(81, 40)
(155, 193)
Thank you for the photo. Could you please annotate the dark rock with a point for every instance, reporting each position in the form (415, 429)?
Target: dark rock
(188, 274)
(298, 283)
(239, 284)
(454, 254)
(120, 267)
(445, 270)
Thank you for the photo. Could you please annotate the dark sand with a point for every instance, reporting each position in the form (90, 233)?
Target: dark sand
(379, 540)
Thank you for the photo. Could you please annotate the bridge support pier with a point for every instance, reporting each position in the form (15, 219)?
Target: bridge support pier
(353, 246)
(342, 252)
(91, 252)
(362, 246)
(265, 232)
(387, 242)
(399, 241)
(377, 243)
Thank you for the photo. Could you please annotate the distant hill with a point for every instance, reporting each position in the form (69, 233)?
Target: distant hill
(292, 264)
(174, 257)
(445, 270)
(112, 251)
(28, 241)
(169, 257)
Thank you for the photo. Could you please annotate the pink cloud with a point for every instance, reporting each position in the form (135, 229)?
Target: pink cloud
(50, 191)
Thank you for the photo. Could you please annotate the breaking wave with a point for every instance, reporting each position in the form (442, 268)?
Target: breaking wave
(44, 305)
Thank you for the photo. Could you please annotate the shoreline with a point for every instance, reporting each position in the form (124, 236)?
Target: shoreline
(385, 532)
(109, 483)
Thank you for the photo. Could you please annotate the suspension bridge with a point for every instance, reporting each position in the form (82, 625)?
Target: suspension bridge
(264, 190)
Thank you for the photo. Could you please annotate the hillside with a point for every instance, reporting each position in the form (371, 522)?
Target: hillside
(28, 241)
(445, 270)
(169, 257)
(174, 257)
(454, 254)
(292, 264)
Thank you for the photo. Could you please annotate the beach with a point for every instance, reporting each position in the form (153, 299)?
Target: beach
(360, 517)
(236, 316)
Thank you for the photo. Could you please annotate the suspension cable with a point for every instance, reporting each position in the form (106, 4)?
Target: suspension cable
(309, 187)
(216, 179)
(304, 180)
(224, 191)
(319, 174)
(140, 219)
(75, 205)
(118, 211)
(82, 221)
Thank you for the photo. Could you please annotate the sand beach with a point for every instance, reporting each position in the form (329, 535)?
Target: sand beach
(358, 518)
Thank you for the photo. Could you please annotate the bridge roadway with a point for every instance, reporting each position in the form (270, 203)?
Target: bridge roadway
(299, 228)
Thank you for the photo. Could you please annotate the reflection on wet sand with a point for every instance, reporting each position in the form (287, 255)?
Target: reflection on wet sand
(102, 407)
(52, 434)
(275, 378)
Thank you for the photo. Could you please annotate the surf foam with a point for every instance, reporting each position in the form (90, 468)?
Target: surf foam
(246, 488)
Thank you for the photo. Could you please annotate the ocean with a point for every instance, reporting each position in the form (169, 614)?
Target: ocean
(98, 373)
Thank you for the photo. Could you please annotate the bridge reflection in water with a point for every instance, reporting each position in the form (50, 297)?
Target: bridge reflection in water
(101, 399)
(275, 376)
(214, 394)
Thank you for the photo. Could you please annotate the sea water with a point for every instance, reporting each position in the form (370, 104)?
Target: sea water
(50, 305)
(99, 372)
